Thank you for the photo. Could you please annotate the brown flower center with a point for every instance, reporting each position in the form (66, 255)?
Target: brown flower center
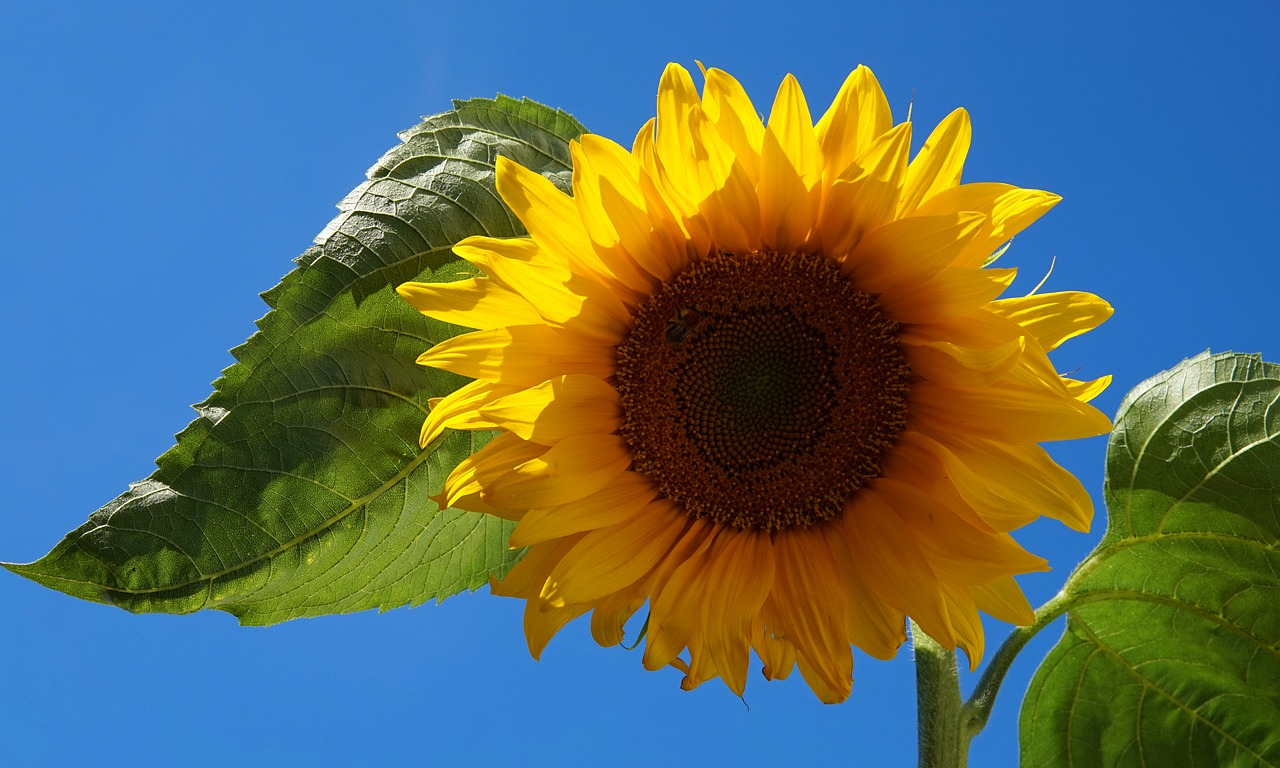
(760, 390)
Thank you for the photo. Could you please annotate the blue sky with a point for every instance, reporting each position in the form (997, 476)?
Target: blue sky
(163, 164)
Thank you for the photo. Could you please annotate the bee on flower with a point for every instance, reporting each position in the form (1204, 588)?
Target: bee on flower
(755, 376)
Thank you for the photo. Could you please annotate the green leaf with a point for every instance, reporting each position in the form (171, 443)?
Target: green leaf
(1171, 655)
(300, 489)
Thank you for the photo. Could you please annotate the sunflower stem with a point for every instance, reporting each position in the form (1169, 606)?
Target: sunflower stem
(977, 710)
(943, 743)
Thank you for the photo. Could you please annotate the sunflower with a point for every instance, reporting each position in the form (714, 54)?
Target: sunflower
(757, 377)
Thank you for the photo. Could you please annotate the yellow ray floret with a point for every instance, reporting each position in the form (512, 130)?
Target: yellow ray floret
(753, 375)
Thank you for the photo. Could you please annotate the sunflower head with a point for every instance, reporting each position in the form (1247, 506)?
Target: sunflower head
(758, 377)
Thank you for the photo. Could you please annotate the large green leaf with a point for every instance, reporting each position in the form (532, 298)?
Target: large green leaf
(1171, 655)
(300, 488)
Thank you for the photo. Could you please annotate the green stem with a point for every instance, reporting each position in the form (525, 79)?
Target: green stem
(977, 710)
(946, 725)
(938, 708)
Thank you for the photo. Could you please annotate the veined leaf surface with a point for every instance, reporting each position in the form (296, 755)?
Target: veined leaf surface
(300, 489)
(1171, 655)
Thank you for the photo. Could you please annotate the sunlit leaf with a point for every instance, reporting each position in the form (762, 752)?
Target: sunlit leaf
(300, 488)
(1171, 655)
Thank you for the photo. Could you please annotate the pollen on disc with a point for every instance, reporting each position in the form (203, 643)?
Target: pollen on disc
(760, 390)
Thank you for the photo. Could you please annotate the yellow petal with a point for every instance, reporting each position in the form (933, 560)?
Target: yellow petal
(817, 681)
(709, 604)
(1005, 412)
(557, 408)
(979, 329)
(731, 211)
(526, 577)
(469, 498)
(542, 622)
(587, 179)
(550, 216)
(1009, 210)
(1014, 211)
(885, 156)
(729, 108)
(611, 614)
(657, 184)
(919, 462)
(1025, 476)
(957, 551)
(953, 291)
(613, 611)
(1035, 371)
(948, 363)
(980, 197)
(888, 559)
(609, 559)
(479, 251)
(791, 124)
(475, 249)
(963, 613)
(790, 172)
(938, 164)
(920, 459)
(867, 196)
(697, 162)
(697, 535)
(983, 329)
(688, 237)
(617, 502)
(677, 621)
(674, 141)
(458, 410)
(906, 253)
(520, 356)
(560, 296)
(1054, 317)
(1004, 600)
(552, 219)
(471, 303)
(788, 210)
(644, 226)
(589, 183)
(474, 473)
(738, 582)
(858, 116)
(873, 625)
(572, 469)
(811, 600)
(1084, 391)
(777, 655)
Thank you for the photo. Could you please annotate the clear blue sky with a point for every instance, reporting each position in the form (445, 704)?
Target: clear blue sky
(161, 165)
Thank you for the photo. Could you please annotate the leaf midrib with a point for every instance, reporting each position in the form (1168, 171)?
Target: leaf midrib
(1220, 466)
(1156, 428)
(1102, 595)
(355, 504)
(1102, 555)
(1148, 685)
(267, 555)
